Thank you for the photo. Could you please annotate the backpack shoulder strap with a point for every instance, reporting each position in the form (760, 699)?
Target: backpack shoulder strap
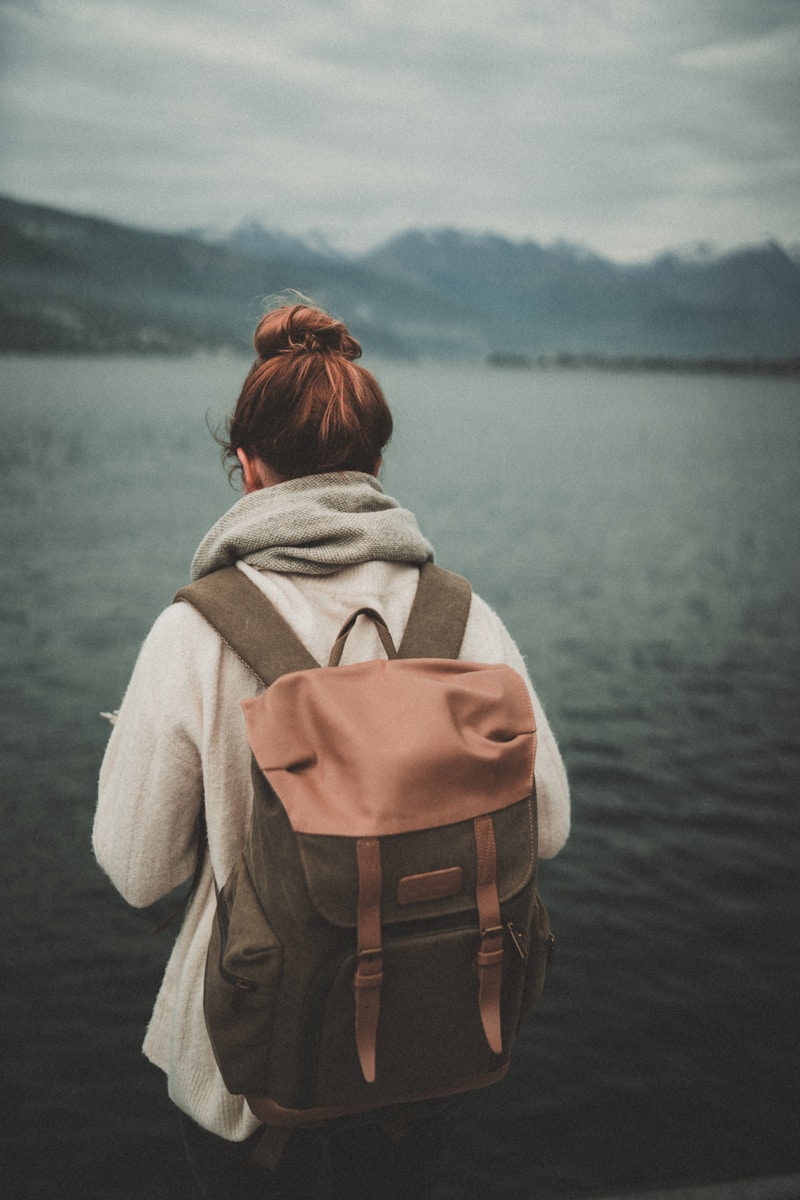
(254, 630)
(438, 616)
(248, 624)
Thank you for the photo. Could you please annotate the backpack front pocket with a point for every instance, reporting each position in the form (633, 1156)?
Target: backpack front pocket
(429, 1038)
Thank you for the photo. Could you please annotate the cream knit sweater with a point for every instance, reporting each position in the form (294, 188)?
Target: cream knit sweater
(180, 739)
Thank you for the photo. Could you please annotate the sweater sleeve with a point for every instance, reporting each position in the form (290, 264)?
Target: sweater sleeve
(487, 640)
(151, 789)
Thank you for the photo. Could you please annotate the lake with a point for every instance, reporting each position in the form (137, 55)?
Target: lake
(639, 534)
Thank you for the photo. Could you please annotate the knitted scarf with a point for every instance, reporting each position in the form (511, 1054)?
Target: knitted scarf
(313, 526)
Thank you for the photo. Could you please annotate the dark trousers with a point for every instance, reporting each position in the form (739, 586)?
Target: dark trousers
(364, 1160)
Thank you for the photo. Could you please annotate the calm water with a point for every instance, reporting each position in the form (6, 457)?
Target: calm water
(639, 534)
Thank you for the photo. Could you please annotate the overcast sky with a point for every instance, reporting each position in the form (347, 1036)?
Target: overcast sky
(627, 126)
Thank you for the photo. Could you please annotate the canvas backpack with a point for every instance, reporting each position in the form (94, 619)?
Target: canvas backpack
(380, 938)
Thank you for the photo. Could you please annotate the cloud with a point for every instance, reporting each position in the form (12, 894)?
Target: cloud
(627, 125)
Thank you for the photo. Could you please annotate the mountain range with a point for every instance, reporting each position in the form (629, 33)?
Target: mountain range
(81, 284)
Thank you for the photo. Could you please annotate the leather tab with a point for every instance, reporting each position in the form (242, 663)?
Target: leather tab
(369, 972)
(431, 885)
(489, 959)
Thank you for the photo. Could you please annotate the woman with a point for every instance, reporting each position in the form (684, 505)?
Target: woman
(318, 535)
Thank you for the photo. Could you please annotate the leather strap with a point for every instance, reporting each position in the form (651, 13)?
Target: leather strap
(369, 972)
(489, 959)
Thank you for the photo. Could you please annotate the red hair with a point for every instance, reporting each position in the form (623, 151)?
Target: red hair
(306, 407)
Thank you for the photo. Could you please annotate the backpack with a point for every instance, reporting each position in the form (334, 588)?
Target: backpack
(380, 939)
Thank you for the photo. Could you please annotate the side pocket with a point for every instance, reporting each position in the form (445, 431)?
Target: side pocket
(539, 958)
(244, 966)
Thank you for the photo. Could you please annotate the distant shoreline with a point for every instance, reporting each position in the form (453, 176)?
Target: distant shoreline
(644, 362)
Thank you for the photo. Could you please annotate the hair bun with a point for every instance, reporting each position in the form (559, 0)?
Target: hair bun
(303, 330)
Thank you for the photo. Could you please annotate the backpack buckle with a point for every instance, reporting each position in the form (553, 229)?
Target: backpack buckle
(372, 962)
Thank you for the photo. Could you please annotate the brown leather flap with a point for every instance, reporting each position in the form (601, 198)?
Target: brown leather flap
(387, 747)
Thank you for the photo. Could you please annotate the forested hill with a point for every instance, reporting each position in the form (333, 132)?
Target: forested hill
(71, 283)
